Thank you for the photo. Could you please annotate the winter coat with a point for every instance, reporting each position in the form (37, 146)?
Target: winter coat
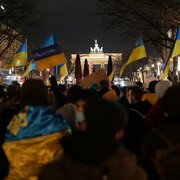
(170, 128)
(85, 160)
(151, 97)
(4, 164)
(155, 115)
(136, 127)
(110, 95)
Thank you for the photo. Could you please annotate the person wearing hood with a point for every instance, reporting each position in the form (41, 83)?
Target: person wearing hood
(96, 153)
(33, 134)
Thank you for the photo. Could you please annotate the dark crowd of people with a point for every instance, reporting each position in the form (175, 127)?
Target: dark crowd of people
(101, 133)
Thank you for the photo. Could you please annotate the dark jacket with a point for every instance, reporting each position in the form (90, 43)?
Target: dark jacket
(4, 164)
(142, 106)
(136, 128)
(85, 160)
(155, 115)
(103, 91)
(170, 127)
(60, 98)
(8, 110)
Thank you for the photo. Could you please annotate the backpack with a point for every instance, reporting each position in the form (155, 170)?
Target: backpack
(167, 160)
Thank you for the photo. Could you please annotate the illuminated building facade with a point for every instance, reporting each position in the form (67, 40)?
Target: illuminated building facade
(97, 59)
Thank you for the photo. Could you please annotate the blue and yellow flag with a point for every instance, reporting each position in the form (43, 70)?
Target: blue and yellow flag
(31, 67)
(111, 76)
(48, 42)
(137, 53)
(20, 57)
(63, 71)
(49, 55)
(175, 52)
(32, 140)
(51, 40)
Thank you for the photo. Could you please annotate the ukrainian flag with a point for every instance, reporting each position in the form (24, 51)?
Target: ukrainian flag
(49, 55)
(137, 53)
(51, 40)
(111, 76)
(31, 67)
(63, 71)
(20, 57)
(48, 42)
(175, 52)
(32, 140)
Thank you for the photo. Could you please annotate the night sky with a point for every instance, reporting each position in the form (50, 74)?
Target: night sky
(77, 25)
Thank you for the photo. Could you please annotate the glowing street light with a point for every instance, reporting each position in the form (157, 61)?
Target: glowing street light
(158, 64)
(2, 7)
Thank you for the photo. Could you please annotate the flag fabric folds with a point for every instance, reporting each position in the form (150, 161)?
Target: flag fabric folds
(137, 53)
(175, 52)
(111, 76)
(51, 40)
(20, 57)
(32, 140)
(176, 49)
(63, 71)
(48, 57)
(34, 121)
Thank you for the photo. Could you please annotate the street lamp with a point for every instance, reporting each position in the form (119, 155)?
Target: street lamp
(158, 65)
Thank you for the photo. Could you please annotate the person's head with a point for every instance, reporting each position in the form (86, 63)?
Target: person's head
(73, 93)
(12, 91)
(123, 91)
(116, 89)
(34, 93)
(171, 101)
(161, 87)
(152, 85)
(134, 94)
(104, 119)
(85, 96)
(63, 89)
(139, 83)
(15, 83)
(104, 84)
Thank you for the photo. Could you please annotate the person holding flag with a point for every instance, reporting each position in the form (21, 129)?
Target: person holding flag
(137, 53)
(173, 53)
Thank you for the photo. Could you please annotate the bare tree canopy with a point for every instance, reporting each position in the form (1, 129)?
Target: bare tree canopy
(151, 18)
(16, 17)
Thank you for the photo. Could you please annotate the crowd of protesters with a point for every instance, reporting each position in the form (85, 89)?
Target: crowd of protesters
(104, 132)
